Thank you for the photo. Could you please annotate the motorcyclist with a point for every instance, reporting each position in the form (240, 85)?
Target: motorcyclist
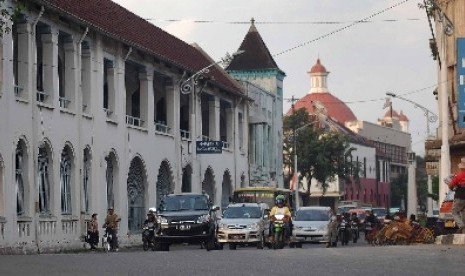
(354, 219)
(280, 209)
(371, 221)
(150, 217)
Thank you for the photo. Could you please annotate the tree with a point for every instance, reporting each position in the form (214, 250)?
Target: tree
(9, 14)
(321, 155)
(399, 189)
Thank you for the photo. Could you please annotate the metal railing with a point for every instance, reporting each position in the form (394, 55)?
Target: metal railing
(18, 90)
(64, 102)
(41, 96)
(162, 127)
(108, 112)
(134, 121)
(185, 134)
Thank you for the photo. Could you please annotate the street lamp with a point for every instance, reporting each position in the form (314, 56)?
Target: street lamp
(320, 111)
(431, 117)
(447, 27)
(187, 87)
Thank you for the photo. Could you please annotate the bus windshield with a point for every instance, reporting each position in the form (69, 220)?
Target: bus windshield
(261, 194)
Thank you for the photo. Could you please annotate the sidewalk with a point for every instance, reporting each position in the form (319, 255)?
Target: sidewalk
(451, 239)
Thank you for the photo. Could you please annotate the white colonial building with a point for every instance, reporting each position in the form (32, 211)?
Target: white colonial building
(262, 80)
(92, 115)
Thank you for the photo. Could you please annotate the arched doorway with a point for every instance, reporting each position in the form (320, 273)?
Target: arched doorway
(208, 184)
(86, 181)
(136, 194)
(225, 189)
(186, 186)
(164, 181)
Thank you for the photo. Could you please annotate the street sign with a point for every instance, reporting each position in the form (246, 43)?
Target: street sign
(432, 168)
(205, 147)
(461, 81)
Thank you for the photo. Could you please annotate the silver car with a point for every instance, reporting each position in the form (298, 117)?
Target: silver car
(313, 224)
(243, 224)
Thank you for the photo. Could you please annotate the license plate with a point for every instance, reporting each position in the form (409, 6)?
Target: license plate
(449, 224)
(184, 227)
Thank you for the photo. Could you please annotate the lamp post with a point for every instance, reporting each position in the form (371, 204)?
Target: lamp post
(187, 87)
(445, 28)
(431, 117)
(322, 113)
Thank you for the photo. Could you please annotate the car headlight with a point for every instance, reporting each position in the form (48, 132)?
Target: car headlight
(253, 226)
(223, 226)
(323, 228)
(203, 218)
(162, 220)
(298, 227)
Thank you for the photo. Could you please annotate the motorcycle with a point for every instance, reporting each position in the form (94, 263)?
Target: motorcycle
(108, 241)
(354, 229)
(279, 231)
(148, 236)
(344, 232)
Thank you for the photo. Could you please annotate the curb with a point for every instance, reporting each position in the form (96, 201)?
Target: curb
(457, 239)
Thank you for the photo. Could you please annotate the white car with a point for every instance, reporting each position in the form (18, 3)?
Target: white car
(312, 224)
(244, 224)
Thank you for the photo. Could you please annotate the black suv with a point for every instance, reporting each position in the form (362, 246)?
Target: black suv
(185, 218)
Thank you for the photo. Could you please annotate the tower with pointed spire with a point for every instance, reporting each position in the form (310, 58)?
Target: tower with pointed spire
(262, 79)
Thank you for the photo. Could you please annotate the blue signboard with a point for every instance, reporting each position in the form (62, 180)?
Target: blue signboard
(461, 81)
(209, 147)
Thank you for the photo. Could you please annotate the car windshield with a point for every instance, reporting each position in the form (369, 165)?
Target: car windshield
(312, 215)
(184, 202)
(242, 212)
(379, 212)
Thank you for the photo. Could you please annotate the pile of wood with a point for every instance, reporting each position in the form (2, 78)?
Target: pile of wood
(400, 232)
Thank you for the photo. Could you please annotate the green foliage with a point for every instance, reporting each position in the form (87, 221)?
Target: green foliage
(9, 14)
(320, 155)
(399, 189)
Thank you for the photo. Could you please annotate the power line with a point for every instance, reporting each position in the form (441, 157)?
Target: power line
(283, 22)
(341, 29)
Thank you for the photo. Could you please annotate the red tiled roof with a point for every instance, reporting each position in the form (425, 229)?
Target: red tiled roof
(336, 109)
(391, 113)
(403, 117)
(318, 68)
(116, 21)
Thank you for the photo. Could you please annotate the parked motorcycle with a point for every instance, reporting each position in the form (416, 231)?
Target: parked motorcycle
(108, 241)
(148, 236)
(279, 231)
(354, 230)
(344, 232)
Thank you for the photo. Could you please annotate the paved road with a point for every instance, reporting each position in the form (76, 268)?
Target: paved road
(355, 259)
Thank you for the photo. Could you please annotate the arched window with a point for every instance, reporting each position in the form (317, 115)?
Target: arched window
(136, 195)
(44, 182)
(65, 181)
(109, 178)
(86, 181)
(19, 178)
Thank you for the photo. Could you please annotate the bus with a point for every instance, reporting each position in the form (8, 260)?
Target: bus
(262, 194)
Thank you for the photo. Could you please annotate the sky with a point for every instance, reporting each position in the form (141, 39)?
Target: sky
(390, 53)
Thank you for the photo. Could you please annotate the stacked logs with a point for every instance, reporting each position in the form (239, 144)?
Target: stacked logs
(400, 231)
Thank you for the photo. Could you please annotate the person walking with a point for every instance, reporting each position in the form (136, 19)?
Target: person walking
(457, 184)
(92, 231)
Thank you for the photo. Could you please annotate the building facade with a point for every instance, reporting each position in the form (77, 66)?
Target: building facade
(374, 165)
(263, 82)
(96, 115)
